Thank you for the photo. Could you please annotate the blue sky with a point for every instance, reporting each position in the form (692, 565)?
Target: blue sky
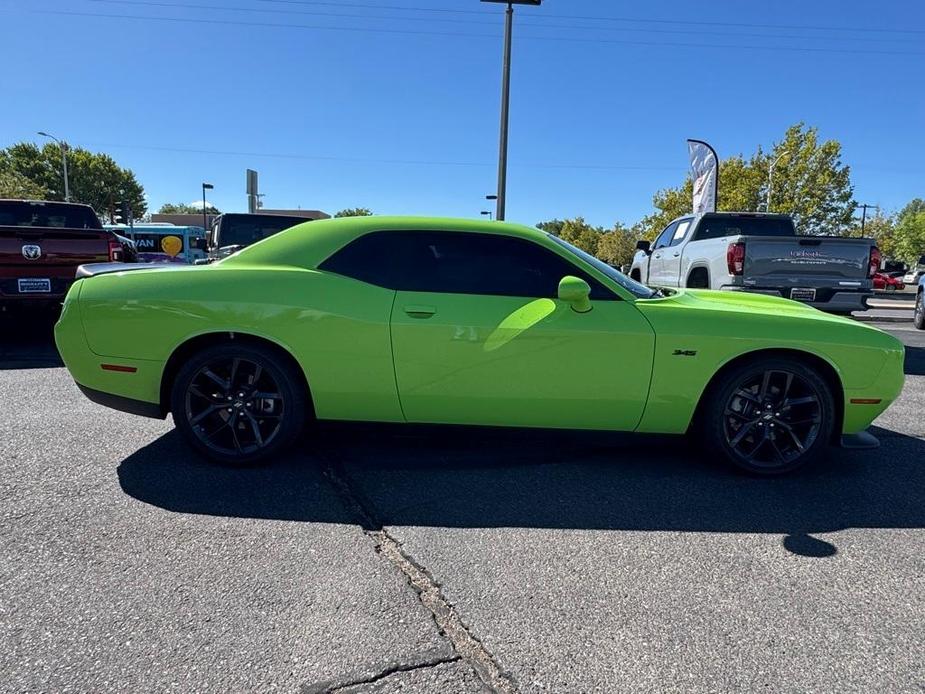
(397, 109)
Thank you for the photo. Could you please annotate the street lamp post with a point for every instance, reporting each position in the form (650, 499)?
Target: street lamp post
(864, 214)
(505, 100)
(767, 202)
(63, 145)
(487, 213)
(205, 220)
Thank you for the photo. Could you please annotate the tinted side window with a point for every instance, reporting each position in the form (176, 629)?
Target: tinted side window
(458, 263)
(665, 237)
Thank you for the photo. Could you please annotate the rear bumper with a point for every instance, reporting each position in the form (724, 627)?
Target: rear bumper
(123, 404)
(840, 302)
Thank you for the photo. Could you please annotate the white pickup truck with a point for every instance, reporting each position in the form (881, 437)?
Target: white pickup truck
(755, 252)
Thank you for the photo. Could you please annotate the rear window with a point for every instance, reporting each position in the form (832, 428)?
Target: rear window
(719, 226)
(31, 214)
(246, 229)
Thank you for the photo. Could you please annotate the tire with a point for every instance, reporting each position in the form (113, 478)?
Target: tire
(216, 402)
(918, 317)
(749, 407)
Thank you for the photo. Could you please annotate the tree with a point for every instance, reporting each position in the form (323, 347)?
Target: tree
(354, 212)
(94, 178)
(15, 185)
(809, 182)
(186, 208)
(909, 232)
(618, 245)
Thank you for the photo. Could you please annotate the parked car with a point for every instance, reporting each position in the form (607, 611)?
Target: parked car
(41, 245)
(233, 231)
(888, 283)
(918, 317)
(445, 321)
(760, 253)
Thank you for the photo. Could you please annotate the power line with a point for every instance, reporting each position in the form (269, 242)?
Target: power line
(584, 27)
(366, 160)
(660, 44)
(604, 18)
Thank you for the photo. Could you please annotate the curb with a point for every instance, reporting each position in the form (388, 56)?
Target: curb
(882, 319)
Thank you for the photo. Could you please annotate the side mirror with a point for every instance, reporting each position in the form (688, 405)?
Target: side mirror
(644, 246)
(575, 291)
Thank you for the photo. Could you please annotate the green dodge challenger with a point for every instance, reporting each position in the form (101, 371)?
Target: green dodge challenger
(397, 319)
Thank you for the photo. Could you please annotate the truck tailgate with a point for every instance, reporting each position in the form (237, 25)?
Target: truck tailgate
(807, 261)
(39, 263)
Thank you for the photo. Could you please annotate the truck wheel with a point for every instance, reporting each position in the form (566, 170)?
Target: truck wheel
(769, 417)
(238, 404)
(918, 317)
(698, 279)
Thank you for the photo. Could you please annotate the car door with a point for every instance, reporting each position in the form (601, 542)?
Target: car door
(657, 273)
(479, 337)
(671, 254)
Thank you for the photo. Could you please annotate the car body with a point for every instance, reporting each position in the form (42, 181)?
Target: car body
(889, 283)
(424, 320)
(43, 242)
(918, 315)
(760, 253)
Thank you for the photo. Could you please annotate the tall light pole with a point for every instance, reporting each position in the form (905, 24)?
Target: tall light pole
(63, 145)
(767, 202)
(506, 100)
(205, 220)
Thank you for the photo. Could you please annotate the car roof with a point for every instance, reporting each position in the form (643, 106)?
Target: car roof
(309, 245)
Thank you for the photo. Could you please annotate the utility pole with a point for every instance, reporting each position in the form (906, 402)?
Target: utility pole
(864, 214)
(205, 219)
(767, 203)
(506, 100)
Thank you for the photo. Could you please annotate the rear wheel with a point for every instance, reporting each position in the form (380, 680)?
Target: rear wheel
(771, 416)
(918, 317)
(238, 404)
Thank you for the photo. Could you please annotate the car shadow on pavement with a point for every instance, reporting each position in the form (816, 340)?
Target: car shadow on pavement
(915, 361)
(27, 340)
(471, 478)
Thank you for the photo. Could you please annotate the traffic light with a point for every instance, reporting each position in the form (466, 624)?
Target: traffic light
(121, 213)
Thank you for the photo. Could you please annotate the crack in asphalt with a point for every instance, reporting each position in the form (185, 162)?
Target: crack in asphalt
(448, 621)
(332, 686)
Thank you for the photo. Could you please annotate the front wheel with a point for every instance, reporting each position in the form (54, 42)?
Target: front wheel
(918, 317)
(238, 404)
(770, 417)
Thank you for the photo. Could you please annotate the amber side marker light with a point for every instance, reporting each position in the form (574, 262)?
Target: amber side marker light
(866, 401)
(118, 367)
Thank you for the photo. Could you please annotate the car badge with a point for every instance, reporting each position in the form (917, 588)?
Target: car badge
(31, 252)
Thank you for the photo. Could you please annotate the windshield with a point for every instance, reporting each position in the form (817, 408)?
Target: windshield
(640, 291)
(245, 230)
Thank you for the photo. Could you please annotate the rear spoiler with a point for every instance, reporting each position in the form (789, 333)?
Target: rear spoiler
(93, 269)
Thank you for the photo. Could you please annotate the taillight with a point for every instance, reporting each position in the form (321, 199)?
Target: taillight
(115, 251)
(735, 258)
(874, 262)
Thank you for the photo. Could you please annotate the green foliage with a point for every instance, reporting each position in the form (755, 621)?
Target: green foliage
(809, 183)
(15, 185)
(882, 229)
(95, 179)
(614, 246)
(186, 208)
(909, 233)
(354, 212)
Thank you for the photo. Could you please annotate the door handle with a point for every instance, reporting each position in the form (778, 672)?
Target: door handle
(676, 255)
(420, 311)
(658, 255)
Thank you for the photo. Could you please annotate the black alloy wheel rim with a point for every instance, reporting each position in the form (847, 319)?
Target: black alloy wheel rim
(772, 418)
(234, 406)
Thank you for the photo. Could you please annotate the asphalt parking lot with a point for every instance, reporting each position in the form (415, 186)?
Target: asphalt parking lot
(381, 560)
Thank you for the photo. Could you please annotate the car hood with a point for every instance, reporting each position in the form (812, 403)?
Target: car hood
(741, 303)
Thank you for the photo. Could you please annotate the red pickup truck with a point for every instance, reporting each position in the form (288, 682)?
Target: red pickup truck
(41, 245)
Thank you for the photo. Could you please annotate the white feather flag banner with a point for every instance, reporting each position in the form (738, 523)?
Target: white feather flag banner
(705, 172)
